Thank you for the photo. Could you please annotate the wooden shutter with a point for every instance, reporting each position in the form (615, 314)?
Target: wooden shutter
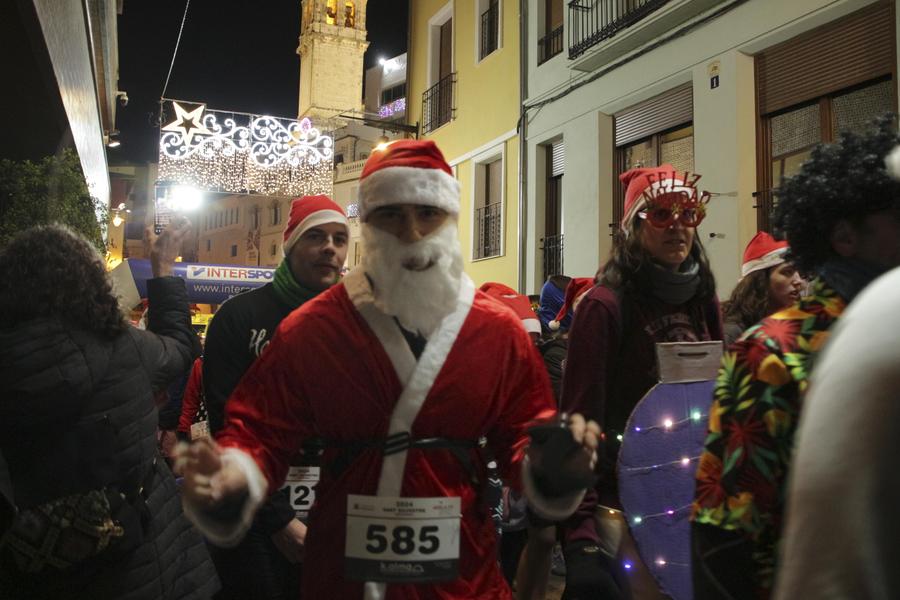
(670, 109)
(841, 54)
(557, 159)
(446, 49)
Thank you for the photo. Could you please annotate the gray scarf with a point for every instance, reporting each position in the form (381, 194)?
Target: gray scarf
(671, 287)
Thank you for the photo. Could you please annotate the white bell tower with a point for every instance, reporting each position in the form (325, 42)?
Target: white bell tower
(332, 44)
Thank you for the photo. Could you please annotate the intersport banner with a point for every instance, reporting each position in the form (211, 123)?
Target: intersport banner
(206, 284)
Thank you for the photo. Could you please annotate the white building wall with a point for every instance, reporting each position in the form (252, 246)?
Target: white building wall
(724, 127)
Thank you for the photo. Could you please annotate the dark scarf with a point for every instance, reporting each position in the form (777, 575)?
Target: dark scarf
(671, 287)
(848, 276)
(287, 289)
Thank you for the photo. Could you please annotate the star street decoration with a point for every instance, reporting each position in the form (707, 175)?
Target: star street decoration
(187, 122)
(243, 153)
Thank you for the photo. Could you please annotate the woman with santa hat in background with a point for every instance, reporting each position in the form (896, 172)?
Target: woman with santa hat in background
(768, 284)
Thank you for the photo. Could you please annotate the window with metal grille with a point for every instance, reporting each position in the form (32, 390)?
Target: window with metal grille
(837, 77)
(488, 210)
(552, 242)
(489, 28)
(551, 42)
(674, 147)
(790, 135)
(438, 101)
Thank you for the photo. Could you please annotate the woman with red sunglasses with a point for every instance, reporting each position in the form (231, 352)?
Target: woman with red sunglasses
(657, 286)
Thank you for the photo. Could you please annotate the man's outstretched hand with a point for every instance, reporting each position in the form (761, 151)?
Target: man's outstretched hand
(208, 483)
(563, 458)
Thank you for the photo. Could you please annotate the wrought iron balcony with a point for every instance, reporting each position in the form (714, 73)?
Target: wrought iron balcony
(550, 45)
(553, 255)
(488, 220)
(438, 103)
(592, 21)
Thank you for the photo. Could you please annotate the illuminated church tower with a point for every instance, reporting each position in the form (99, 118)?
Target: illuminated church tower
(332, 44)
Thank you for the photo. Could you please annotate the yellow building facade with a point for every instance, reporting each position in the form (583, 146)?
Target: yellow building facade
(463, 81)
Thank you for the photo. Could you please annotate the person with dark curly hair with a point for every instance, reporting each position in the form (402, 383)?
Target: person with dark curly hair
(841, 216)
(98, 510)
(768, 284)
(656, 287)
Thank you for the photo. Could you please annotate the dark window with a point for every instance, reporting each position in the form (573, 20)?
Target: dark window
(338, 159)
(490, 28)
(234, 250)
(393, 93)
(208, 245)
(276, 213)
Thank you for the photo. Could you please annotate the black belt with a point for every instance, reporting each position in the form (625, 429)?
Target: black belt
(400, 442)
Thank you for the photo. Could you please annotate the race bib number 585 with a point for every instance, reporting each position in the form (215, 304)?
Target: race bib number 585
(411, 540)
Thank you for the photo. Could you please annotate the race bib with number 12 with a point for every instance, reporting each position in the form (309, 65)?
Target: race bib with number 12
(402, 540)
(301, 485)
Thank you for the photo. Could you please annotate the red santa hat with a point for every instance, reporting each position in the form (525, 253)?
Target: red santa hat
(408, 172)
(575, 291)
(308, 212)
(762, 252)
(649, 179)
(519, 304)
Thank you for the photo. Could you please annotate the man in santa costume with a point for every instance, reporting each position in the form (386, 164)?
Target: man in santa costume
(400, 370)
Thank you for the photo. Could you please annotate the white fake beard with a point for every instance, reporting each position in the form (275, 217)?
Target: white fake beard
(418, 299)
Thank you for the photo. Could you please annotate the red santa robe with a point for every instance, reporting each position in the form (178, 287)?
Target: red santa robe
(339, 369)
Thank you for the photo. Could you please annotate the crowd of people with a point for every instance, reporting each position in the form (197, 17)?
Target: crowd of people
(396, 433)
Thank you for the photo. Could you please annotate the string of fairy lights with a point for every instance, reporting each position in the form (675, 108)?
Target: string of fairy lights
(244, 153)
(672, 513)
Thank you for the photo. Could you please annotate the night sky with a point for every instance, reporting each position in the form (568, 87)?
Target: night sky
(234, 55)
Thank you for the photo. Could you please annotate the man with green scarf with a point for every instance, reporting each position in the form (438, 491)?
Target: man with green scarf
(264, 564)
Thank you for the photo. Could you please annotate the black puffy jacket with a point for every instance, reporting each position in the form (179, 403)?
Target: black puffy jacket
(77, 413)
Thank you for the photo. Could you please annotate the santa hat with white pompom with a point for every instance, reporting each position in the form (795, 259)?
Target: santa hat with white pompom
(575, 291)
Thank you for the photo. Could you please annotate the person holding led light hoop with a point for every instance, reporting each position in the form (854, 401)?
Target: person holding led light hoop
(657, 286)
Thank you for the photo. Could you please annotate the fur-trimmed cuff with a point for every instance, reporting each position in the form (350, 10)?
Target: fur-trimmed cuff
(229, 533)
(552, 509)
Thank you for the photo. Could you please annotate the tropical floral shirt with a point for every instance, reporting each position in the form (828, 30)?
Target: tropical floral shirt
(742, 474)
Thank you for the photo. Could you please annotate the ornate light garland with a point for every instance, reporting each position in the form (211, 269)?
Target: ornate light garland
(243, 153)
(386, 111)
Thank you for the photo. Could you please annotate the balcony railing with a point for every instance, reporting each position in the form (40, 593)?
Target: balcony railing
(489, 29)
(592, 21)
(550, 45)
(438, 103)
(553, 255)
(487, 230)
(350, 170)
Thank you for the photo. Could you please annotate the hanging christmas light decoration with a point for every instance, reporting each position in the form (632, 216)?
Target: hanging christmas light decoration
(661, 445)
(244, 153)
